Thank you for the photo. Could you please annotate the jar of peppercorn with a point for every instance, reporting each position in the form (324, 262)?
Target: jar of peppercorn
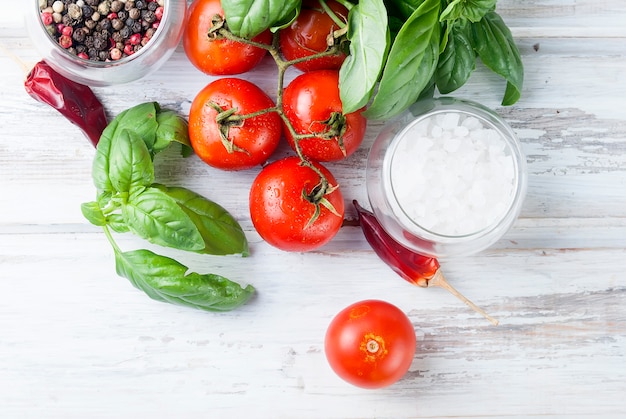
(106, 42)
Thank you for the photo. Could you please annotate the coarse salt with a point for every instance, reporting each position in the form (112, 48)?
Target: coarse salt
(453, 174)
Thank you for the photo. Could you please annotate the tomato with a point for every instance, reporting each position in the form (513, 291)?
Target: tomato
(218, 56)
(308, 34)
(370, 344)
(248, 143)
(312, 104)
(283, 208)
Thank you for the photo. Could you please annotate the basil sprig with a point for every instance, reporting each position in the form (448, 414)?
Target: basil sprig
(400, 50)
(410, 64)
(129, 200)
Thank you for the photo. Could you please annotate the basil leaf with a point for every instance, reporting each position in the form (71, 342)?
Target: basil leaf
(156, 217)
(369, 41)
(493, 42)
(472, 10)
(92, 212)
(171, 128)
(130, 163)
(411, 63)
(222, 234)
(117, 223)
(248, 18)
(100, 166)
(164, 279)
(140, 119)
(403, 8)
(444, 38)
(458, 59)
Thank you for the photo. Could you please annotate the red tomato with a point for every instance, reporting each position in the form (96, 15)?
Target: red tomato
(283, 216)
(218, 56)
(370, 344)
(308, 33)
(253, 140)
(312, 104)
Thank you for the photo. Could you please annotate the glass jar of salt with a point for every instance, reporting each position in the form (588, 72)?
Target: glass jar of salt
(446, 178)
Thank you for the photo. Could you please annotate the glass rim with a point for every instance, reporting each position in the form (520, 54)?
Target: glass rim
(101, 65)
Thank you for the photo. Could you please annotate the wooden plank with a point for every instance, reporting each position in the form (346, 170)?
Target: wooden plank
(561, 330)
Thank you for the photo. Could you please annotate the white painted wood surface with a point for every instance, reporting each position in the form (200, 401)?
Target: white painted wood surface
(76, 341)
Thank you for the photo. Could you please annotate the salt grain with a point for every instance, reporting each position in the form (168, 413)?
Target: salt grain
(453, 175)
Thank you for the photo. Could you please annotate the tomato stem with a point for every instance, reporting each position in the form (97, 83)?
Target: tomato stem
(226, 119)
(336, 124)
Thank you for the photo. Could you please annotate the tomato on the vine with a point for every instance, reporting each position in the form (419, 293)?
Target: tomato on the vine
(292, 208)
(370, 344)
(218, 56)
(308, 35)
(313, 106)
(233, 143)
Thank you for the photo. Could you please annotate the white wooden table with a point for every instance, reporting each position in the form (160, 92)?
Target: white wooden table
(77, 341)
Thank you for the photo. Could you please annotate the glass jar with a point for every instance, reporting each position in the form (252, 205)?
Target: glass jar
(100, 73)
(447, 177)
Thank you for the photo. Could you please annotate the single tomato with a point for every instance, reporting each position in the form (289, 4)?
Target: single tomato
(308, 34)
(213, 55)
(233, 144)
(312, 104)
(370, 344)
(292, 209)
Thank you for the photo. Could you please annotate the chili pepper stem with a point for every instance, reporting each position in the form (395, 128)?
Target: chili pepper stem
(25, 67)
(439, 280)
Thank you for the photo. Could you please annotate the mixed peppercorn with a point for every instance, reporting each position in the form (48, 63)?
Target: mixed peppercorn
(101, 30)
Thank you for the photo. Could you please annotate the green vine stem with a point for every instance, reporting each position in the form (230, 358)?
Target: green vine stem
(231, 118)
(340, 23)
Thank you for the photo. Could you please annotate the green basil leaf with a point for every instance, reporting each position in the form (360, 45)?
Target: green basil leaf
(171, 128)
(92, 212)
(130, 163)
(156, 217)
(428, 92)
(494, 44)
(140, 119)
(117, 223)
(369, 41)
(458, 60)
(443, 42)
(248, 18)
(511, 94)
(403, 9)
(165, 279)
(222, 234)
(100, 166)
(411, 63)
(472, 10)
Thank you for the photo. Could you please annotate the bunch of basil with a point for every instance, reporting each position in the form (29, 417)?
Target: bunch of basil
(129, 200)
(400, 50)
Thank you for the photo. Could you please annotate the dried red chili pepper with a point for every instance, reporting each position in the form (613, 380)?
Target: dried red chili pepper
(73, 100)
(416, 268)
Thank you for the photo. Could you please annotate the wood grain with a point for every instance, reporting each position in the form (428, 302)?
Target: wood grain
(76, 341)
